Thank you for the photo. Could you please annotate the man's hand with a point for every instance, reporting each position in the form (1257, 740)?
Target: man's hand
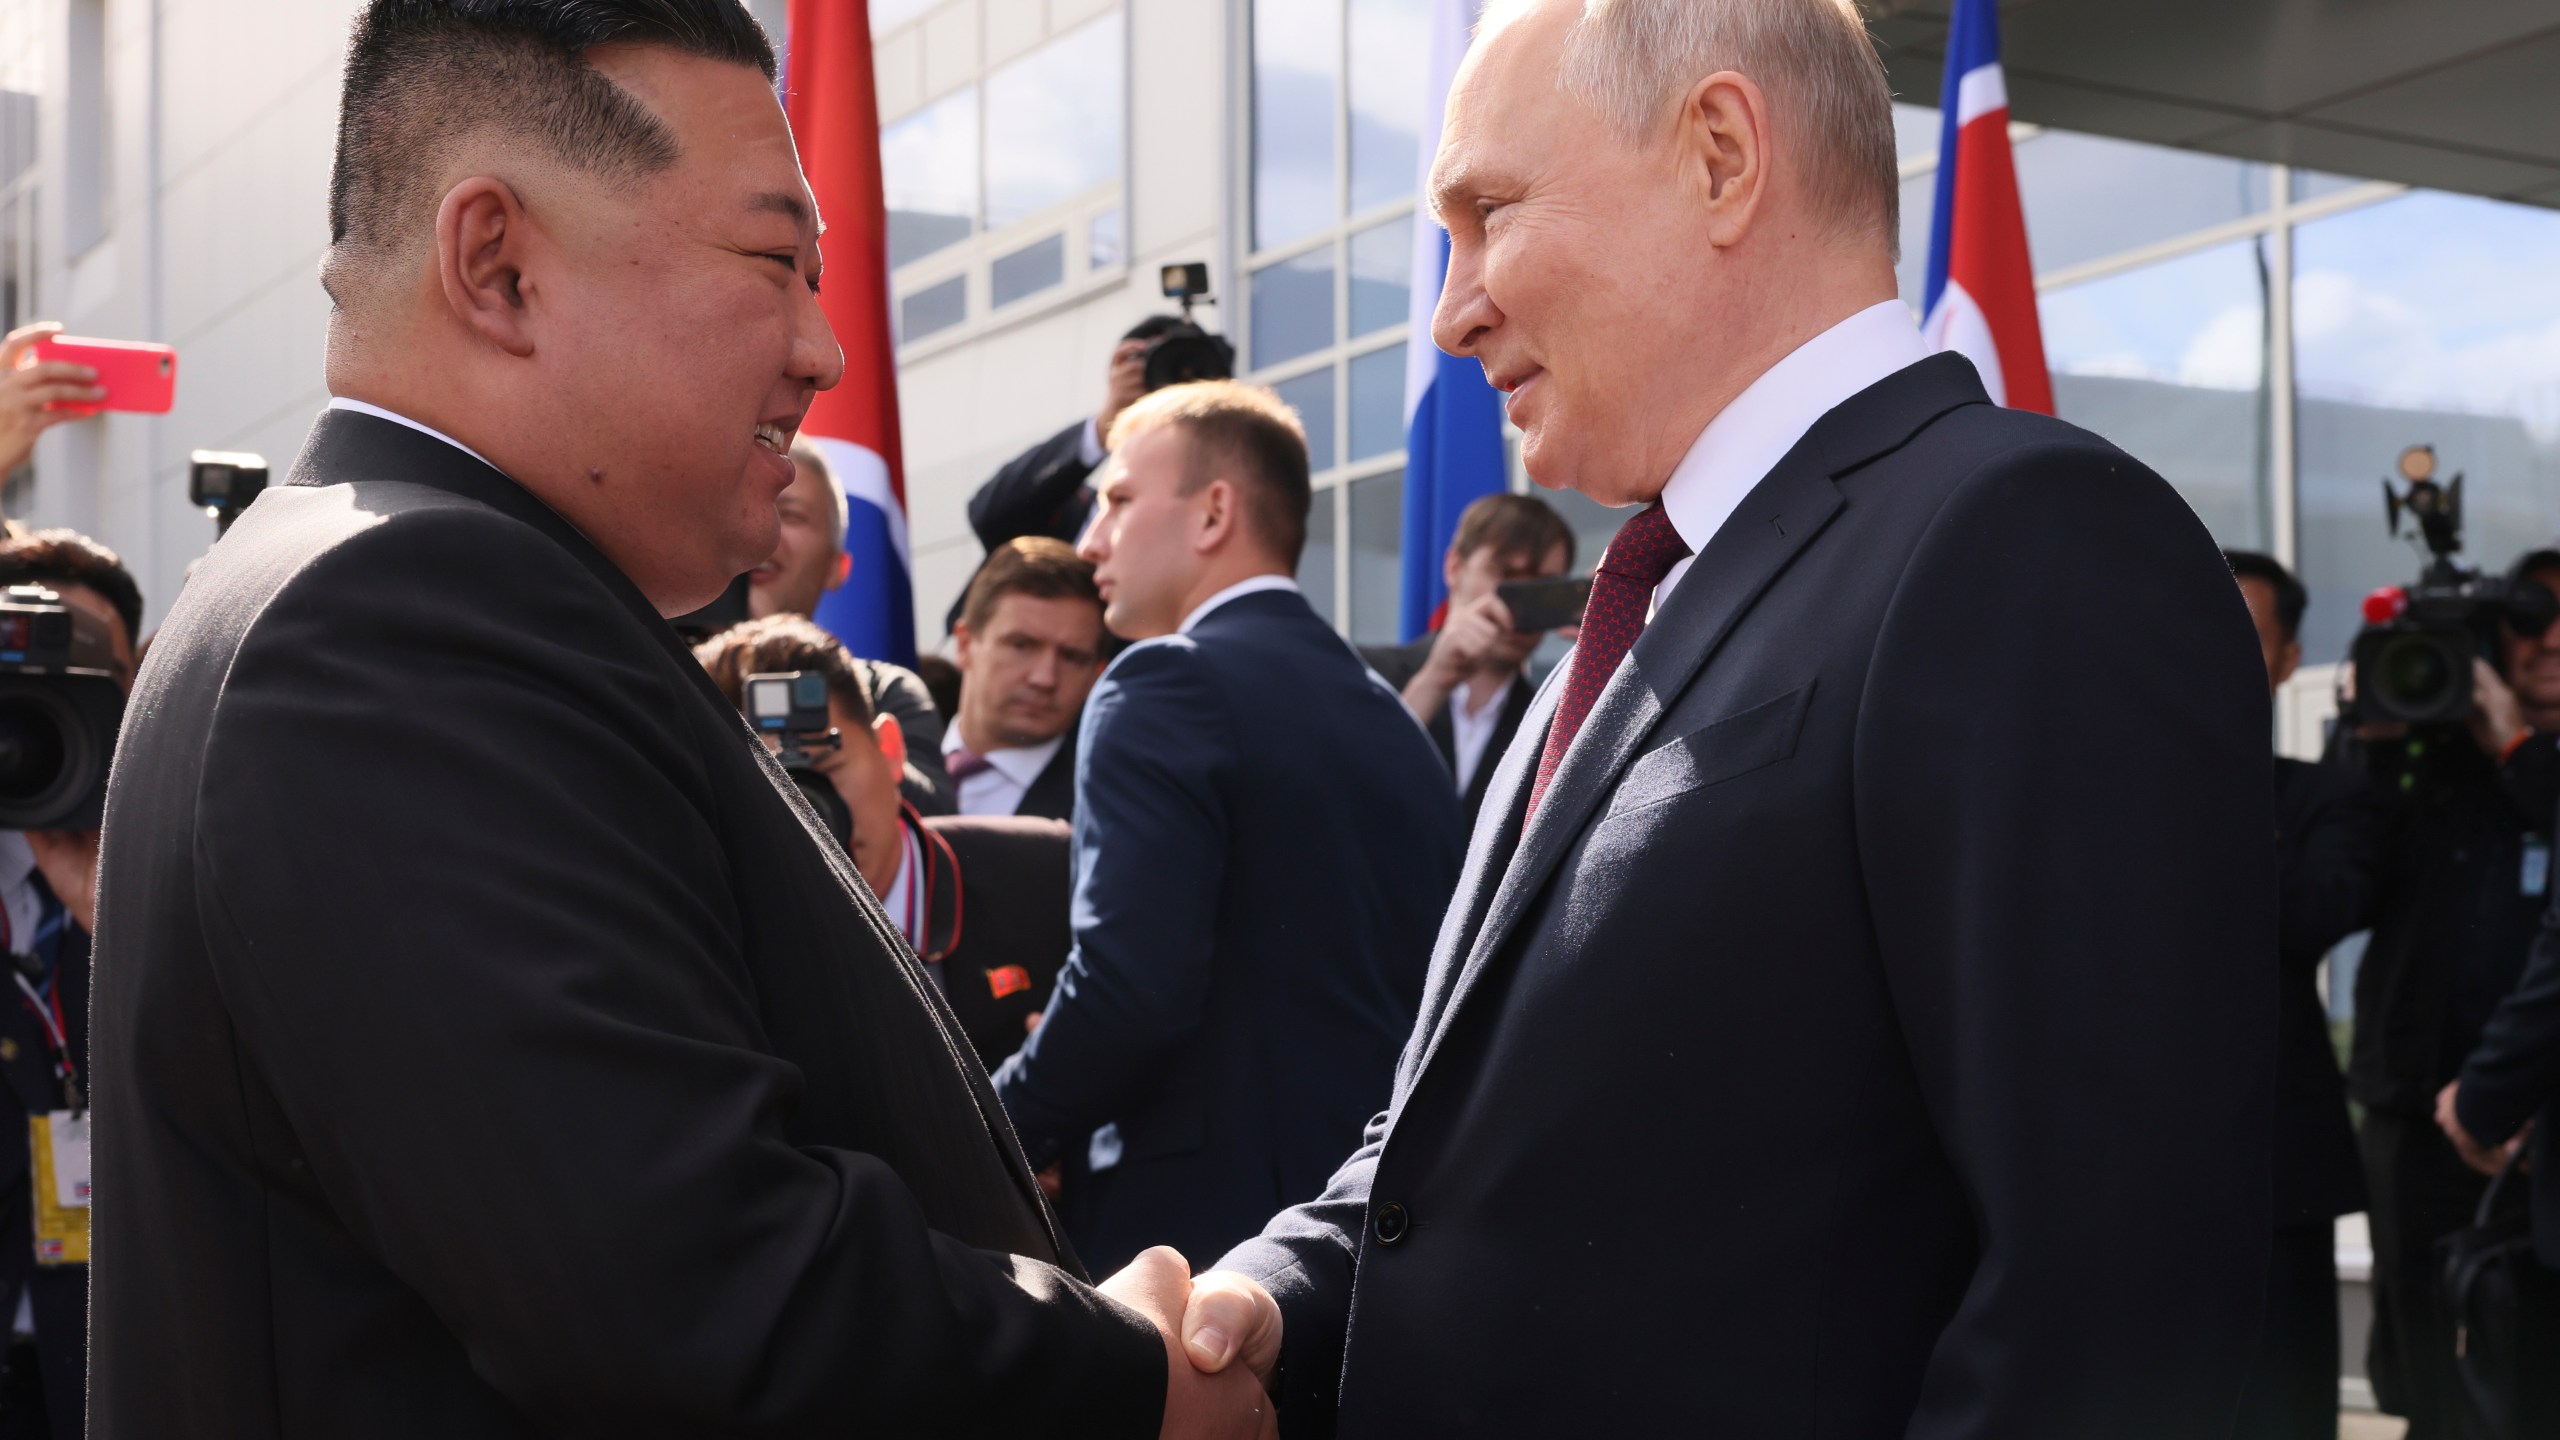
(1466, 638)
(2487, 1159)
(2497, 718)
(1128, 381)
(68, 860)
(1231, 1317)
(27, 397)
(1228, 1403)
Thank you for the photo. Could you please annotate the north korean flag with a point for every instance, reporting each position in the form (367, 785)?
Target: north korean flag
(1982, 289)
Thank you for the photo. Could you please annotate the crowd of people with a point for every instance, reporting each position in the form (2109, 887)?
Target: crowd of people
(1723, 1030)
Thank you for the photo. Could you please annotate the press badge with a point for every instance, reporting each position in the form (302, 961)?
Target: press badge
(2535, 877)
(59, 1143)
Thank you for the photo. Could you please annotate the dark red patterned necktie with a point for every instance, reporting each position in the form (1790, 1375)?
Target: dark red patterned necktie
(961, 764)
(1622, 588)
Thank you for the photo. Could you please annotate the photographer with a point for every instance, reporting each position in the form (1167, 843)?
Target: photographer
(1042, 491)
(48, 889)
(2465, 879)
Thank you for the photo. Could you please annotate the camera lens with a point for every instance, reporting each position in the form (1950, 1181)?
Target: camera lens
(2415, 675)
(41, 747)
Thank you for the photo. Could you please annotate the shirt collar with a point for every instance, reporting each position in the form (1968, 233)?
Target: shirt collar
(1757, 428)
(901, 889)
(341, 402)
(1251, 586)
(17, 859)
(1021, 764)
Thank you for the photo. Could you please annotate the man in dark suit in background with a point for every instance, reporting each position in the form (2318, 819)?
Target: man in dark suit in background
(488, 1040)
(1854, 1017)
(1263, 844)
(1029, 646)
(982, 900)
(2328, 848)
(1045, 490)
(1466, 681)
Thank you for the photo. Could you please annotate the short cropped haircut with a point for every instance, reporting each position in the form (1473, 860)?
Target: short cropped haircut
(67, 557)
(783, 642)
(1634, 59)
(805, 452)
(1522, 525)
(1033, 565)
(2291, 598)
(1240, 432)
(424, 75)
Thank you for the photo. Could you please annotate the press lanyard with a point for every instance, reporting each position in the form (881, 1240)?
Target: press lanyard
(46, 1006)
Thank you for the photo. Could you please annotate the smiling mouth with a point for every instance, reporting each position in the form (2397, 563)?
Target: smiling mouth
(773, 436)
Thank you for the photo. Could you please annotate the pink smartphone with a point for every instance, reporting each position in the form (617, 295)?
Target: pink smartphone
(139, 378)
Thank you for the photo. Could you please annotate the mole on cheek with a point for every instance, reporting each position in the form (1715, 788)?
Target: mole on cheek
(595, 474)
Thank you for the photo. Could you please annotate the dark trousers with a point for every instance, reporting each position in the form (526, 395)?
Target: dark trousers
(2419, 1191)
(2292, 1392)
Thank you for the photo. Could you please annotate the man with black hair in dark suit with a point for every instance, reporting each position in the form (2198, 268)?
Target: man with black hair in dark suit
(2328, 850)
(489, 1039)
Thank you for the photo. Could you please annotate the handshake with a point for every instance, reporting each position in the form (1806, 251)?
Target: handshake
(1209, 1324)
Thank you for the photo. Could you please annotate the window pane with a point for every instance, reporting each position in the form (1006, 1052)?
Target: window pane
(2169, 361)
(934, 308)
(2312, 184)
(1107, 246)
(1315, 563)
(887, 15)
(1027, 271)
(1381, 275)
(2089, 197)
(1377, 558)
(1312, 397)
(2431, 318)
(1390, 42)
(1296, 44)
(1292, 308)
(1053, 122)
(929, 167)
(1377, 402)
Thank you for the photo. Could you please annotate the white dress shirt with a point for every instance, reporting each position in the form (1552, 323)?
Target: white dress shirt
(341, 402)
(1759, 426)
(998, 789)
(1252, 586)
(1473, 729)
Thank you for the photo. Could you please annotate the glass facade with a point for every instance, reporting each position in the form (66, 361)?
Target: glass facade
(1011, 181)
(1336, 125)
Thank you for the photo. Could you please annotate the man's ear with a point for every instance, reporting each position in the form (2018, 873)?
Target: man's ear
(1450, 565)
(1723, 139)
(840, 572)
(1214, 517)
(2288, 660)
(893, 740)
(482, 236)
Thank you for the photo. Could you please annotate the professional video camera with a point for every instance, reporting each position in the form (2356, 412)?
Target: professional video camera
(2413, 658)
(791, 706)
(1187, 352)
(60, 704)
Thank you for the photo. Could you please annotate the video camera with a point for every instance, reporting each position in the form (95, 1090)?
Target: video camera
(791, 706)
(60, 705)
(2413, 658)
(1186, 352)
(223, 482)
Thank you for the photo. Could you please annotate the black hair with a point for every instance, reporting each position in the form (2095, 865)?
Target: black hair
(55, 558)
(1151, 327)
(422, 74)
(2291, 598)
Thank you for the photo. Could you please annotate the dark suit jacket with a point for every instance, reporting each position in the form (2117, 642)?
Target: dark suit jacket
(2328, 846)
(2514, 1076)
(1051, 795)
(491, 1043)
(1263, 848)
(1041, 491)
(58, 1295)
(1869, 1037)
(996, 921)
(1398, 664)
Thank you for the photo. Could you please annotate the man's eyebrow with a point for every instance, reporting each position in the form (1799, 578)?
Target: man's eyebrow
(1459, 179)
(781, 202)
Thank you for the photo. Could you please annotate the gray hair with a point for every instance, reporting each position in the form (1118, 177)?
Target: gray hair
(1634, 59)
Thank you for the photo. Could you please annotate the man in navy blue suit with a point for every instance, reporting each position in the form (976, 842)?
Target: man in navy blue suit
(1264, 842)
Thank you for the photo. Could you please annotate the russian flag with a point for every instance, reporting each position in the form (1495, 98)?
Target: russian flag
(835, 118)
(1982, 290)
(1452, 418)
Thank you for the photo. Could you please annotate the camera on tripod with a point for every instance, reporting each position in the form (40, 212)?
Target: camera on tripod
(791, 707)
(1186, 352)
(60, 705)
(2413, 657)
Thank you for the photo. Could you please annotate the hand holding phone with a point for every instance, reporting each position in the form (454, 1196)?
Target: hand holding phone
(131, 375)
(34, 395)
(1540, 605)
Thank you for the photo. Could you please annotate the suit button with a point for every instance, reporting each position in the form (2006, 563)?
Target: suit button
(1389, 1222)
